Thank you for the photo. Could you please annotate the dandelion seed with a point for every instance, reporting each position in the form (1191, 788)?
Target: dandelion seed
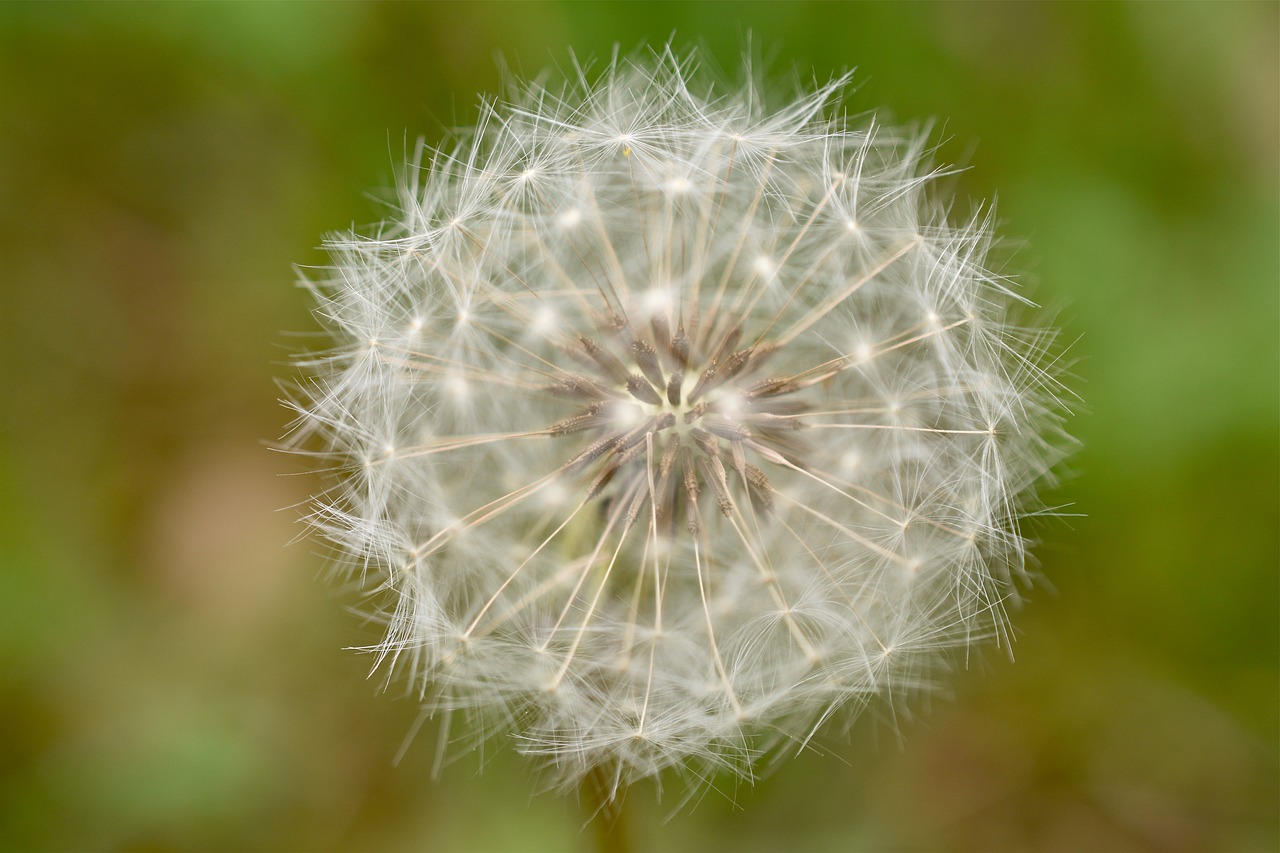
(663, 467)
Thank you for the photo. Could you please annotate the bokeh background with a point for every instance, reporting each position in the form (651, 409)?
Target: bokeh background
(172, 673)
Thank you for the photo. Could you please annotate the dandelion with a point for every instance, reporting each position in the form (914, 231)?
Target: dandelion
(673, 424)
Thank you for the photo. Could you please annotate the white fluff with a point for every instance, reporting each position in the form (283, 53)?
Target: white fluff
(840, 512)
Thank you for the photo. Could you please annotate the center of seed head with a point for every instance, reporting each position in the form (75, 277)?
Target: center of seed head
(671, 415)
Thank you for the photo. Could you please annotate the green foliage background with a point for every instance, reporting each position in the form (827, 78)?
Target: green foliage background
(171, 673)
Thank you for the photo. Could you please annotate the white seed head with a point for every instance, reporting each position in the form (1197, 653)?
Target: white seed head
(674, 423)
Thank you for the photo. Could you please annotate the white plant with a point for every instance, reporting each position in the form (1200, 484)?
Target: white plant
(673, 424)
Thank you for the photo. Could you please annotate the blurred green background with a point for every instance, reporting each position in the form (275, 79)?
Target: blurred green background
(171, 668)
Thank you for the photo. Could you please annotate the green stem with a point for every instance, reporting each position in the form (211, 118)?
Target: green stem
(605, 812)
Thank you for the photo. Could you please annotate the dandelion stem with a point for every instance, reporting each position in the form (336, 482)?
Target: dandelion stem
(605, 811)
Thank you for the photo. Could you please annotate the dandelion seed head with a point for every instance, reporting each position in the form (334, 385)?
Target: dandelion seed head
(661, 466)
